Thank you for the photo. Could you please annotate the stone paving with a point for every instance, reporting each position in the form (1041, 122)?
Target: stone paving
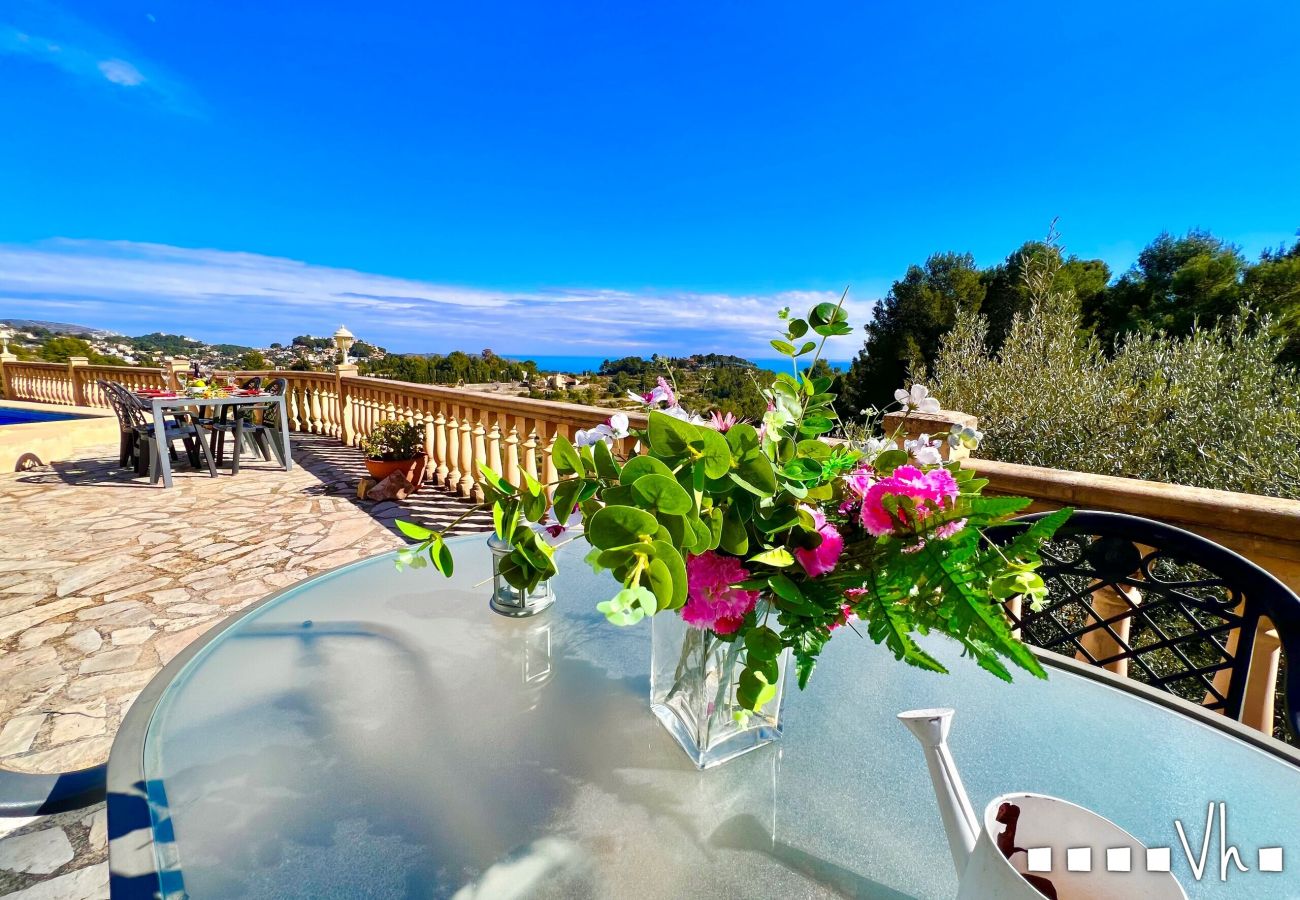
(104, 578)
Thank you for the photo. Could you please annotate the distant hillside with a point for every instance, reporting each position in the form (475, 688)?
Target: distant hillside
(57, 327)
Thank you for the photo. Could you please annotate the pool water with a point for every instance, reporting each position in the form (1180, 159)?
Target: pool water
(11, 416)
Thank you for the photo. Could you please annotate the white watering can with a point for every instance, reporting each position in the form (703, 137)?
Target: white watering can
(985, 872)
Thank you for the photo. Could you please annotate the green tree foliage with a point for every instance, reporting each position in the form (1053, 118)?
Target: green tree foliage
(453, 368)
(1008, 296)
(1176, 282)
(60, 348)
(1273, 287)
(906, 326)
(252, 360)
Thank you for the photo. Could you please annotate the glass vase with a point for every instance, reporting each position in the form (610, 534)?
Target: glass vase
(693, 679)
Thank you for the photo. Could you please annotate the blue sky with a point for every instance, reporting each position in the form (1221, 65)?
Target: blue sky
(607, 177)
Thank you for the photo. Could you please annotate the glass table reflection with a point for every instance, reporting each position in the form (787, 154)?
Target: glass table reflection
(371, 733)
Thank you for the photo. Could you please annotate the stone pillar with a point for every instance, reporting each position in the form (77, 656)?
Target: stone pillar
(177, 365)
(5, 359)
(910, 426)
(77, 389)
(345, 370)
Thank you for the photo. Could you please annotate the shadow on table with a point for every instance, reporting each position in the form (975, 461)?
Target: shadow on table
(746, 833)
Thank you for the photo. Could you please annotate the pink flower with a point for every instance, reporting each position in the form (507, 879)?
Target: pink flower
(722, 421)
(929, 490)
(948, 529)
(860, 481)
(824, 556)
(711, 601)
(843, 618)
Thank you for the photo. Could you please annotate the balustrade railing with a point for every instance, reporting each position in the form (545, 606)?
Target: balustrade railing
(39, 382)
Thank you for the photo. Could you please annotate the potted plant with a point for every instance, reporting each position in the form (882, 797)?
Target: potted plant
(395, 446)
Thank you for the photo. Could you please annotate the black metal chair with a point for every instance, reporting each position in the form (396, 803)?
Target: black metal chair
(1161, 605)
(138, 433)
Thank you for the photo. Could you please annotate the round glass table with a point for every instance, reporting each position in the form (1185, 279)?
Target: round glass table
(370, 733)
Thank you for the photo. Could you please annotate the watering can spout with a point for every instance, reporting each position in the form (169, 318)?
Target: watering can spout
(930, 727)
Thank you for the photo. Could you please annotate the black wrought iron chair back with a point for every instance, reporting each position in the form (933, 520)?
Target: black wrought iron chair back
(251, 384)
(1161, 605)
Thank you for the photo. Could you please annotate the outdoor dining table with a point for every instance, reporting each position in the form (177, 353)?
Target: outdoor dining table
(160, 405)
(370, 733)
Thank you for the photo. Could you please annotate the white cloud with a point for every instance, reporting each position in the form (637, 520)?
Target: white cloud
(246, 297)
(43, 33)
(119, 71)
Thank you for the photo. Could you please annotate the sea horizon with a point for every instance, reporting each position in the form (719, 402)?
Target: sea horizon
(578, 363)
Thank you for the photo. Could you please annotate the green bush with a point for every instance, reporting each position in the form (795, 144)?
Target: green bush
(1210, 410)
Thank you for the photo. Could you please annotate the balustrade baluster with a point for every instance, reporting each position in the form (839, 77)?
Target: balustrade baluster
(511, 473)
(453, 451)
(440, 448)
(494, 449)
(549, 433)
(530, 449)
(466, 486)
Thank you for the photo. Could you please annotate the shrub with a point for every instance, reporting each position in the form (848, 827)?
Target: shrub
(393, 440)
(1210, 410)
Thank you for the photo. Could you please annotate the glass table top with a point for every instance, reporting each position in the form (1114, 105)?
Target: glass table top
(381, 734)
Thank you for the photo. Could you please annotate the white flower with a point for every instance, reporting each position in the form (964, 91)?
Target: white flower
(918, 398)
(873, 447)
(609, 431)
(924, 450)
(965, 437)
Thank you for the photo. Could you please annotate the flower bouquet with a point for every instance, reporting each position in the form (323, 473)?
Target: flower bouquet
(750, 547)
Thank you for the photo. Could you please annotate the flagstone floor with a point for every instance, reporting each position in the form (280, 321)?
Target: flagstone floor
(105, 578)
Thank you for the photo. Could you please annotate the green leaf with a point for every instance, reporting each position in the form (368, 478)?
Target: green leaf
(606, 466)
(640, 466)
(505, 516)
(755, 474)
(669, 438)
(889, 461)
(826, 319)
(753, 690)
(783, 347)
(413, 531)
(566, 458)
(763, 642)
(440, 556)
(659, 493)
(778, 557)
(566, 498)
(797, 328)
(808, 347)
(668, 555)
(887, 623)
(735, 537)
(617, 526)
(534, 503)
(741, 438)
(716, 457)
(661, 583)
(499, 484)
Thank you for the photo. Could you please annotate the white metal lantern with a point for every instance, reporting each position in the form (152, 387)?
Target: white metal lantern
(344, 340)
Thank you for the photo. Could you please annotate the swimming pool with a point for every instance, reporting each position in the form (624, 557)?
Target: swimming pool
(36, 433)
(12, 416)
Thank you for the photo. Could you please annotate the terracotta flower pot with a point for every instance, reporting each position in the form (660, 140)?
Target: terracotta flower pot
(412, 469)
